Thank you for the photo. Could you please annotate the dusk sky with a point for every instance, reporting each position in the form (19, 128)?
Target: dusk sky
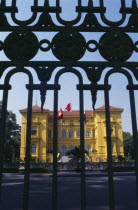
(118, 95)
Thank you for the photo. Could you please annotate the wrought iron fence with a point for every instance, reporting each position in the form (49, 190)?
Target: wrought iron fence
(69, 46)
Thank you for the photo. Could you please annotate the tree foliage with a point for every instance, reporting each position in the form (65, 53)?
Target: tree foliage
(128, 145)
(75, 154)
(12, 137)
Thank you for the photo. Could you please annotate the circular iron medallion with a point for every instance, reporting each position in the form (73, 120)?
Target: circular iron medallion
(68, 46)
(21, 45)
(116, 46)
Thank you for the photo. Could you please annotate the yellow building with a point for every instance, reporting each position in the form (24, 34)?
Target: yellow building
(95, 133)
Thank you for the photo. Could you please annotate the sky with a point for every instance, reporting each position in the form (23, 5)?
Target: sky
(119, 96)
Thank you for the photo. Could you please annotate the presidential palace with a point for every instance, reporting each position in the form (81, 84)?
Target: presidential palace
(69, 133)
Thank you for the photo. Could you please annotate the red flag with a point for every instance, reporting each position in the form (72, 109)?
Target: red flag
(68, 107)
(60, 114)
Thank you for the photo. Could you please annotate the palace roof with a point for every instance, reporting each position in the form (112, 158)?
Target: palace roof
(34, 109)
(74, 112)
(112, 108)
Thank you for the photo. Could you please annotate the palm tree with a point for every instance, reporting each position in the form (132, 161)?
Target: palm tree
(75, 154)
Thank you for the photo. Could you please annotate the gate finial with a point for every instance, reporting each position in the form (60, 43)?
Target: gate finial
(94, 95)
(43, 94)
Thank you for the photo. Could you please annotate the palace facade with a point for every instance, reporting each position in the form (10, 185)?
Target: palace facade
(69, 130)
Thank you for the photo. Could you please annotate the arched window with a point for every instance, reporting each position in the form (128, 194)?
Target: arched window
(33, 149)
(34, 131)
(88, 133)
(63, 133)
(71, 133)
(63, 150)
(88, 148)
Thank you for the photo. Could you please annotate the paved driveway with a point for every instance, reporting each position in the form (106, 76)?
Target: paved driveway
(68, 192)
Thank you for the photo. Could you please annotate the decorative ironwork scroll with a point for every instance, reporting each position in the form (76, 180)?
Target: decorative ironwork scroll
(69, 47)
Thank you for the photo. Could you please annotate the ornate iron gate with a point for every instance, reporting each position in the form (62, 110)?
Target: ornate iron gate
(69, 46)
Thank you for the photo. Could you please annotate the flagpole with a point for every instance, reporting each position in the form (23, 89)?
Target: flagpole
(61, 138)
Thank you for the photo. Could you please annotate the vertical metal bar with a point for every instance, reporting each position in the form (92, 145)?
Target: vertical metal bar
(57, 3)
(79, 3)
(134, 130)
(109, 152)
(55, 138)
(27, 157)
(82, 148)
(2, 133)
(61, 141)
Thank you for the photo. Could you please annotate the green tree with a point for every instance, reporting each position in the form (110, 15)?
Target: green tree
(128, 145)
(75, 154)
(12, 137)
